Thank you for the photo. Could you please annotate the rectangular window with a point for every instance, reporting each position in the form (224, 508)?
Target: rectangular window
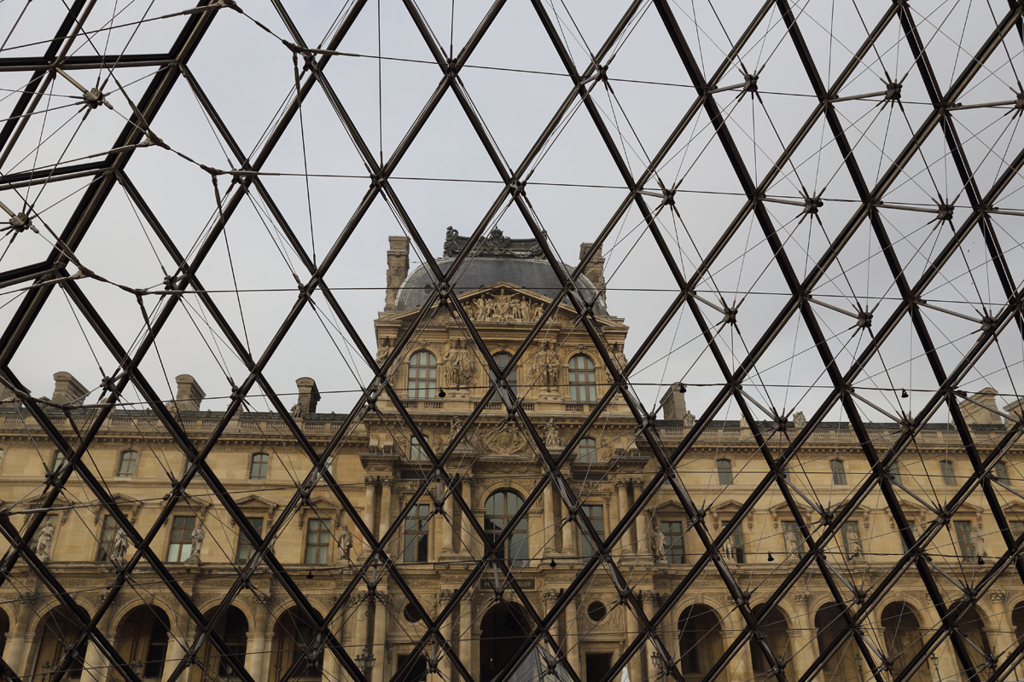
(897, 472)
(126, 467)
(734, 550)
(417, 534)
(416, 451)
(838, 472)
(948, 477)
(180, 547)
(965, 539)
(58, 460)
(588, 451)
(724, 467)
(318, 539)
(1000, 473)
(851, 540)
(794, 538)
(594, 512)
(674, 550)
(106, 538)
(245, 547)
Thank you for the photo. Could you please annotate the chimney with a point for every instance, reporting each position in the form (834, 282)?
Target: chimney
(595, 271)
(1016, 409)
(398, 269)
(673, 403)
(68, 390)
(190, 395)
(308, 395)
(983, 409)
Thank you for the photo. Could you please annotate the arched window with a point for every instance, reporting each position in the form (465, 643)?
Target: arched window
(502, 360)
(838, 472)
(422, 375)
(588, 451)
(258, 466)
(582, 380)
(498, 513)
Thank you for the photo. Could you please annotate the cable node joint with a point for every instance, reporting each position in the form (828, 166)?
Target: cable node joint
(21, 222)
(893, 91)
(945, 213)
(812, 204)
(93, 98)
(750, 83)
(864, 319)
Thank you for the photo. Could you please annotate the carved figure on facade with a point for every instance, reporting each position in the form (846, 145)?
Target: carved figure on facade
(545, 367)
(383, 349)
(198, 535)
(552, 436)
(792, 542)
(979, 542)
(458, 365)
(689, 420)
(345, 544)
(504, 307)
(118, 548)
(729, 549)
(44, 545)
(799, 420)
(453, 429)
(853, 548)
(657, 543)
(620, 361)
(508, 441)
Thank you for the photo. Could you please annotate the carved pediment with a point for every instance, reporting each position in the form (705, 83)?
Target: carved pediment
(255, 505)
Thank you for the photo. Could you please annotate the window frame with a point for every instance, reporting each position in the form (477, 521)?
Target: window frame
(948, 472)
(106, 543)
(965, 542)
(837, 471)
(421, 379)
(853, 524)
(182, 541)
(586, 451)
(674, 549)
(417, 453)
(257, 522)
(322, 544)
(415, 534)
(264, 466)
(501, 359)
(515, 550)
(739, 548)
(727, 479)
(133, 464)
(589, 383)
(587, 548)
(791, 525)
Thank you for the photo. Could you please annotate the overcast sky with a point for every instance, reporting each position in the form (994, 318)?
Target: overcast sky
(517, 82)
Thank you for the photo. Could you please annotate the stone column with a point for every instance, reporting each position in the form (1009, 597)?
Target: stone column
(549, 520)
(467, 530)
(256, 643)
(96, 664)
(803, 642)
(649, 600)
(568, 536)
(380, 631)
(445, 667)
(448, 527)
(14, 651)
(368, 511)
(621, 486)
(176, 639)
(467, 643)
(386, 484)
(333, 671)
(635, 664)
(572, 635)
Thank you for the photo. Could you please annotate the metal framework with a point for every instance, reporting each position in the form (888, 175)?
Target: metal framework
(775, 200)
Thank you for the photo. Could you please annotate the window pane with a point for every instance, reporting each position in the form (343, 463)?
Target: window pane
(948, 477)
(126, 467)
(417, 534)
(588, 450)
(180, 547)
(318, 538)
(674, 550)
(595, 513)
(582, 380)
(245, 548)
(733, 548)
(724, 472)
(416, 451)
(500, 508)
(259, 466)
(501, 360)
(422, 375)
(838, 472)
(106, 538)
(965, 539)
(793, 538)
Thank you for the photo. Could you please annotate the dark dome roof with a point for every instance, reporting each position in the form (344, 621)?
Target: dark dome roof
(480, 271)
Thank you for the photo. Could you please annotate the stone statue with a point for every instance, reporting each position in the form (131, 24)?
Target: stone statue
(853, 550)
(44, 545)
(453, 428)
(729, 548)
(552, 436)
(118, 548)
(545, 366)
(345, 543)
(792, 542)
(383, 350)
(198, 535)
(658, 543)
(979, 542)
(620, 361)
(458, 368)
(450, 247)
(799, 420)
(689, 420)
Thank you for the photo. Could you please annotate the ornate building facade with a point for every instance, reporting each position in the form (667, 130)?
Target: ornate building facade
(628, 551)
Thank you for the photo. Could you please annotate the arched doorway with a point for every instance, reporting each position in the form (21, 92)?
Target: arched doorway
(775, 626)
(293, 633)
(973, 628)
(844, 663)
(233, 628)
(141, 640)
(503, 631)
(903, 639)
(700, 642)
(55, 632)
